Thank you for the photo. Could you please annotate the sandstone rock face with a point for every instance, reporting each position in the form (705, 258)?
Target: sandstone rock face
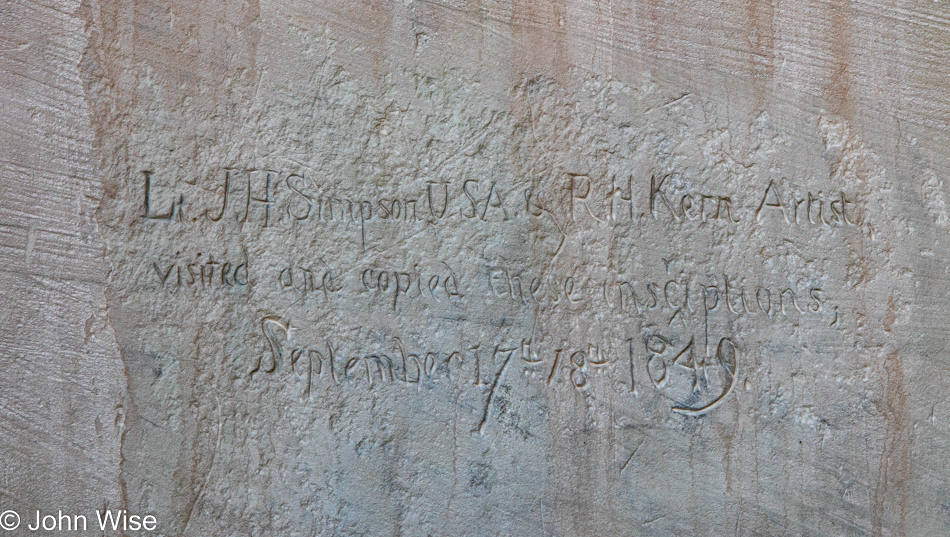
(476, 268)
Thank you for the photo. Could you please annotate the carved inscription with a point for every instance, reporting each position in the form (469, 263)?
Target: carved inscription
(669, 332)
(697, 376)
(267, 199)
(201, 271)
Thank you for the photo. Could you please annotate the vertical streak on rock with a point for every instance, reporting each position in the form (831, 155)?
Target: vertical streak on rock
(761, 15)
(839, 87)
(537, 47)
(890, 495)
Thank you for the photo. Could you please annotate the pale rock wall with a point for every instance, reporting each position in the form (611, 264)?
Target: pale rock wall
(496, 268)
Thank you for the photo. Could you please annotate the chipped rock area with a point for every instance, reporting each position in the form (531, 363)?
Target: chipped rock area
(435, 267)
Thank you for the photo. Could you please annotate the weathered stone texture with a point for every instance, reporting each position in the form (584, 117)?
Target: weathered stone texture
(492, 268)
